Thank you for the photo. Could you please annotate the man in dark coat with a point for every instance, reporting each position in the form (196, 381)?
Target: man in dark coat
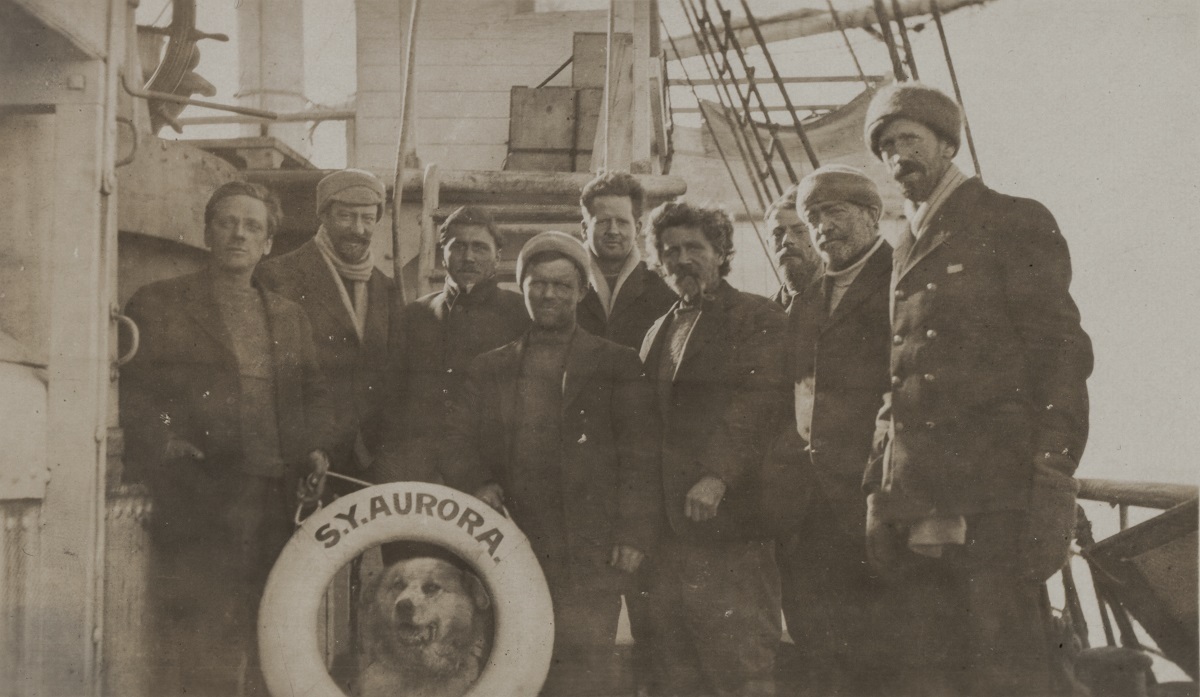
(791, 248)
(718, 362)
(560, 426)
(624, 297)
(348, 301)
(834, 603)
(438, 336)
(971, 501)
(226, 415)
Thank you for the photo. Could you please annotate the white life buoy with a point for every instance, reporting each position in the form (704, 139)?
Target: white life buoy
(290, 651)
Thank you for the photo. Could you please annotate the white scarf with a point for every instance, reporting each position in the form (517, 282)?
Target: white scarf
(356, 276)
(608, 296)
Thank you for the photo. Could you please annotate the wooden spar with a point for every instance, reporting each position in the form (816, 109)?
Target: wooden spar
(406, 110)
(1141, 494)
(608, 78)
(808, 22)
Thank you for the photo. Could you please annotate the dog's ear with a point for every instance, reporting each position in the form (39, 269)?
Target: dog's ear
(478, 591)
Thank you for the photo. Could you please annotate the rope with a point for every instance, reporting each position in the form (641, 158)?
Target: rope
(909, 58)
(837, 20)
(885, 29)
(937, 19)
(724, 160)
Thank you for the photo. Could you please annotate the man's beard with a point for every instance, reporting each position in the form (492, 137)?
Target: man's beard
(692, 281)
(798, 273)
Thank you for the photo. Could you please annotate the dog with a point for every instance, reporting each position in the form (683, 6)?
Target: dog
(427, 630)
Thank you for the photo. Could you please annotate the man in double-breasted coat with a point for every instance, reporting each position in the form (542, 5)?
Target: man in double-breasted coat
(834, 603)
(225, 414)
(718, 363)
(971, 501)
(560, 427)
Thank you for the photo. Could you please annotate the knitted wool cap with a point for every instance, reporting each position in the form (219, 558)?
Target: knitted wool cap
(915, 101)
(552, 241)
(356, 187)
(837, 183)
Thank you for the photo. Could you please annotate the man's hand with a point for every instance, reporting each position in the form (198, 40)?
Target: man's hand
(313, 486)
(703, 498)
(625, 558)
(492, 495)
(177, 448)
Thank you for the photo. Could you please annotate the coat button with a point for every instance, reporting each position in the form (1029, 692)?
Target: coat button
(895, 381)
(449, 370)
(930, 425)
(932, 334)
(899, 425)
(899, 294)
(929, 377)
(897, 340)
(930, 286)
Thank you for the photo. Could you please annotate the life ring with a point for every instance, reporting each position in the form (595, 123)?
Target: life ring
(289, 649)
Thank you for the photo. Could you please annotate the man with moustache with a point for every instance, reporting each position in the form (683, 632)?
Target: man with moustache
(971, 504)
(560, 427)
(791, 248)
(835, 605)
(227, 418)
(348, 302)
(719, 366)
(437, 338)
(624, 297)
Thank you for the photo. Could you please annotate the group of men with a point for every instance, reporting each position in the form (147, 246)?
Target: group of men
(883, 454)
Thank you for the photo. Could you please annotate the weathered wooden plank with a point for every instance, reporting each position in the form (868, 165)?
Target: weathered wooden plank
(613, 144)
(464, 131)
(542, 118)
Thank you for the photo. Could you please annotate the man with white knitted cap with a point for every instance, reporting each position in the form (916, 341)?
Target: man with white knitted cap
(971, 501)
(838, 337)
(560, 427)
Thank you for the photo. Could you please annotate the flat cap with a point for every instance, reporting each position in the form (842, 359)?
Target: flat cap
(356, 187)
(553, 241)
(915, 101)
(837, 183)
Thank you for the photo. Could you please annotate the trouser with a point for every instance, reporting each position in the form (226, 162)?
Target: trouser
(837, 611)
(974, 625)
(584, 662)
(641, 626)
(715, 611)
(206, 586)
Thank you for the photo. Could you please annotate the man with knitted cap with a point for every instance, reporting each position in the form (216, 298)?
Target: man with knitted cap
(560, 427)
(347, 299)
(971, 496)
(839, 340)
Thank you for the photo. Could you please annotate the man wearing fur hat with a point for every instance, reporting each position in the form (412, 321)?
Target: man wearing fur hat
(560, 427)
(971, 496)
(834, 604)
(347, 299)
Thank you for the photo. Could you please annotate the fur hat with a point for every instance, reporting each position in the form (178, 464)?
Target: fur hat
(356, 187)
(553, 241)
(837, 183)
(918, 102)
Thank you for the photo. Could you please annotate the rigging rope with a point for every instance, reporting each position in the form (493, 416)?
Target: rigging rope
(724, 160)
(885, 28)
(937, 19)
(837, 20)
(909, 58)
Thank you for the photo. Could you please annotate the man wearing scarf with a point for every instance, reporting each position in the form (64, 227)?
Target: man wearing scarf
(971, 500)
(347, 299)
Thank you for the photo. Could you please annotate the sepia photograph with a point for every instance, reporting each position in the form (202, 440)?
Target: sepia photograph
(599, 348)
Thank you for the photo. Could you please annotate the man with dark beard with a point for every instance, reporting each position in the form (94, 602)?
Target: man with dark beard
(971, 497)
(719, 366)
(791, 248)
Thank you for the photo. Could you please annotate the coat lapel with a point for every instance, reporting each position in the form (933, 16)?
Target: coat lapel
(582, 359)
(201, 305)
(631, 289)
(945, 223)
(320, 278)
(508, 378)
(708, 325)
(863, 286)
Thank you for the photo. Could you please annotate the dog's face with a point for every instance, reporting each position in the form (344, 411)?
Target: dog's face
(426, 617)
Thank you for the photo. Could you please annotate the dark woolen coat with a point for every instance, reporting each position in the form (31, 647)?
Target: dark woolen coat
(988, 357)
(644, 297)
(730, 395)
(841, 360)
(437, 337)
(609, 451)
(356, 370)
(184, 382)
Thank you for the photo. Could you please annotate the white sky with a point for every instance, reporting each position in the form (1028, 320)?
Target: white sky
(1086, 105)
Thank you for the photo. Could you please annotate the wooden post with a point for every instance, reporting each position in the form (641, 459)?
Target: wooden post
(406, 117)
(427, 257)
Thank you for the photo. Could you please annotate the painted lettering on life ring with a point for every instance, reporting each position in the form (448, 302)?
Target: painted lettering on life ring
(447, 509)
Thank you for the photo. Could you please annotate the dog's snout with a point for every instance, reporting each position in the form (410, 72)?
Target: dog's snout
(404, 610)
